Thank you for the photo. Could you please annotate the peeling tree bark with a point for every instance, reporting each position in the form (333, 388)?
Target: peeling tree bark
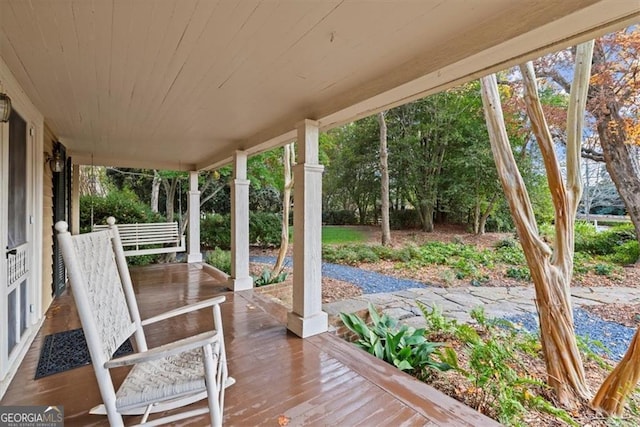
(621, 381)
(551, 271)
(288, 161)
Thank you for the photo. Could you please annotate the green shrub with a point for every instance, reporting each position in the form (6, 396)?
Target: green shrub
(404, 219)
(519, 273)
(605, 242)
(339, 217)
(265, 229)
(123, 205)
(402, 346)
(603, 269)
(126, 208)
(626, 253)
(508, 242)
(511, 255)
(219, 259)
(215, 231)
(385, 252)
(349, 254)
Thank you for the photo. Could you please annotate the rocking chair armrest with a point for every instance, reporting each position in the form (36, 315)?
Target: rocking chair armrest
(165, 350)
(185, 309)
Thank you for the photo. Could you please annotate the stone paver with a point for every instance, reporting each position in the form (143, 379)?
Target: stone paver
(345, 306)
(398, 313)
(457, 303)
(464, 299)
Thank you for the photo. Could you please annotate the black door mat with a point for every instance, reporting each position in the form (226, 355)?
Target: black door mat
(68, 350)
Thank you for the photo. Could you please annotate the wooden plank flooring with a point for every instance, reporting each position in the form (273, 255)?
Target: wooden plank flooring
(314, 382)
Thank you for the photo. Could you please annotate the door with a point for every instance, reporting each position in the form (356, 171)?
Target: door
(15, 300)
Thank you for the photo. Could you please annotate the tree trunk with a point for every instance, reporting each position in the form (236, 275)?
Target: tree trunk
(384, 181)
(476, 217)
(155, 191)
(170, 187)
(288, 162)
(170, 191)
(623, 171)
(485, 215)
(617, 154)
(426, 217)
(621, 381)
(551, 272)
(620, 162)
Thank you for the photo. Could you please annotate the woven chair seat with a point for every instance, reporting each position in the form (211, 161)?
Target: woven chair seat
(162, 379)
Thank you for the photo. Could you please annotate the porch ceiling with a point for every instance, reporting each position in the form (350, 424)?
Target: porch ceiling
(180, 84)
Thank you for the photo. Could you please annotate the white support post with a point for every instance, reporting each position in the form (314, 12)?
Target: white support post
(307, 317)
(75, 199)
(240, 224)
(194, 254)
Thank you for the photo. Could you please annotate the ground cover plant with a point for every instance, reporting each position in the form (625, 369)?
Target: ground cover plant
(491, 366)
(600, 257)
(400, 345)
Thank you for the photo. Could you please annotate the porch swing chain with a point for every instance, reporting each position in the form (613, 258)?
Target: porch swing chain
(179, 204)
(91, 189)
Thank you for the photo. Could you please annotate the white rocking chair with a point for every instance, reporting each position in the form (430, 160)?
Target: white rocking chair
(162, 378)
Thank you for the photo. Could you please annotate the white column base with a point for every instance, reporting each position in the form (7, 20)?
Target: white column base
(241, 284)
(308, 326)
(191, 258)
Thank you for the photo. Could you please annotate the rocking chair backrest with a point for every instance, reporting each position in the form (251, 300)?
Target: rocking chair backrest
(97, 288)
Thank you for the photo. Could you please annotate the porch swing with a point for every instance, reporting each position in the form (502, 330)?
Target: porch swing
(145, 238)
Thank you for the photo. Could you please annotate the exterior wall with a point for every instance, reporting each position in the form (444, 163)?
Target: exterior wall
(47, 222)
(35, 126)
(37, 282)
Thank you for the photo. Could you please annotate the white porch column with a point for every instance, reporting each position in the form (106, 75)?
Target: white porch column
(240, 224)
(307, 317)
(193, 206)
(75, 199)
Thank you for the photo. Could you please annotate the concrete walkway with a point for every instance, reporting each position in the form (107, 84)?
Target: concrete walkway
(457, 303)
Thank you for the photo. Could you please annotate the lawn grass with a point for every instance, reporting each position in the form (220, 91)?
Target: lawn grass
(335, 235)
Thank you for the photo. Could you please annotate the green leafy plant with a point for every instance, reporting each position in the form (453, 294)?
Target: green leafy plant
(603, 269)
(589, 346)
(265, 229)
(268, 278)
(495, 366)
(519, 273)
(402, 346)
(219, 259)
(436, 321)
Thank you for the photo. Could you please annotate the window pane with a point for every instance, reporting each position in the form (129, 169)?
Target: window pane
(17, 181)
(11, 320)
(24, 303)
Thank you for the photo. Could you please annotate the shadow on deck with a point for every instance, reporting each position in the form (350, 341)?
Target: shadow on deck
(318, 381)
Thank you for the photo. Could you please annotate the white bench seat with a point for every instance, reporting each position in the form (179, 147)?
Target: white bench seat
(163, 236)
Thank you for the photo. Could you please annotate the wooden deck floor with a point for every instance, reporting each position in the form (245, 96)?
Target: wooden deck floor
(318, 381)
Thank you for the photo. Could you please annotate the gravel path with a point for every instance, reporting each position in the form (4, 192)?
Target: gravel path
(614, 336)
(514, 304)
(369, 281)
